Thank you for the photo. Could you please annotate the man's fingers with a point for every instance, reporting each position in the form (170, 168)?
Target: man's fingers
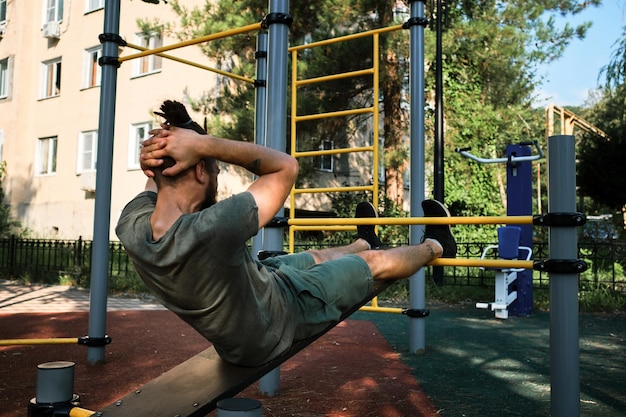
(173, 170)
(150, 161)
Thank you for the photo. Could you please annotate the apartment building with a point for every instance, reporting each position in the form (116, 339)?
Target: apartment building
(49, 113)
(49, 106)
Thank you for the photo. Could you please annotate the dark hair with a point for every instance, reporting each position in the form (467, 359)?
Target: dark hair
(175, 114)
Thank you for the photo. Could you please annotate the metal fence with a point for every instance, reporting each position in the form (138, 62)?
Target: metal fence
(605, 262)
(51, 261)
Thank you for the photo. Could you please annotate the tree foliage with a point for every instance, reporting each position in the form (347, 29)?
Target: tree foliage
(324, 20)
(601, 168)
(8, 225)
(491, 50)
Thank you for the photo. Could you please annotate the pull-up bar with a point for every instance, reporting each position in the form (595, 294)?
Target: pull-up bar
(195, 41)
(193, 64)
(383, 221)
(85, 341)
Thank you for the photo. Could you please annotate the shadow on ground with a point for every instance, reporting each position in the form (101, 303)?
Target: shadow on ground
(475, 365)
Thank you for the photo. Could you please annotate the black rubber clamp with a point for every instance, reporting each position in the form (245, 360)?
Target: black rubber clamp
(272, 18)
(264, 254)
(415, 21)
(109, 60)
(278, 222)
(561, 266)
(560, 219)
(94, 341)
(112, 37)
(416, 312)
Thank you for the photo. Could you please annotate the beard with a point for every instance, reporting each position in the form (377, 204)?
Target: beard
(210, 198)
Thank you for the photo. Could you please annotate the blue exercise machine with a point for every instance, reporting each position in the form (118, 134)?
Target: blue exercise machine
(514, 287)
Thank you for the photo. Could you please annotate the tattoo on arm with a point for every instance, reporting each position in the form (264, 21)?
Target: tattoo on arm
(254, 166)
(431, 251)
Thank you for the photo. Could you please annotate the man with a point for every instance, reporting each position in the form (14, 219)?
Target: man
(191, 250)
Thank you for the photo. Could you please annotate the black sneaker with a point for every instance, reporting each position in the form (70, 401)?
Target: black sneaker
(365, 209)
(441, 233)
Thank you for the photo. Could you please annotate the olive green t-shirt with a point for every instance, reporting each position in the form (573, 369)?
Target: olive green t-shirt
(202, 270)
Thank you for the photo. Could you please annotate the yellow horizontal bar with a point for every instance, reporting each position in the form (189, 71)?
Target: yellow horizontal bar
(81, 412)
(333, 77)
(345, 38)
(328, 228)
(382, 309)
(409, 220)
(52, 341)
(331, 190)
(332, 151)
(334, 114)
(206, 38)
(486, 263)
(195, 64)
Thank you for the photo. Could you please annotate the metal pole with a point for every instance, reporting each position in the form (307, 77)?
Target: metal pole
(104, 169)
(564, 343)
(260, 112)
(438, 185)
(417, 282)
(239, 407)
(276, 130)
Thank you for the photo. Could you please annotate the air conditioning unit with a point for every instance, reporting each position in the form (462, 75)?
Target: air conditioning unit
(3, 28)
(52, 30)
(88, 181)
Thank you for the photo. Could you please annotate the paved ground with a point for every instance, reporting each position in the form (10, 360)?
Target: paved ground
(328, 379)
(474, 366)
(17, 298)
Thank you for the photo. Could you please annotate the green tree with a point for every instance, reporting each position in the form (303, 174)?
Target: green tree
(601, 170)
(325, 19)
(8, 225)
(491, 52)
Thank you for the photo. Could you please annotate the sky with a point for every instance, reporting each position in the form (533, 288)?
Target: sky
(569, 79)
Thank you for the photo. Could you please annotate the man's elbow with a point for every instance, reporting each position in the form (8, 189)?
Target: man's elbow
(292, 168)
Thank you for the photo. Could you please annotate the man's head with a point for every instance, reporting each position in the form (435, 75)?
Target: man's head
(175, 114)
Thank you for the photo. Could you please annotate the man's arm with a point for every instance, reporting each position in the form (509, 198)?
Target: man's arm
(276, 171)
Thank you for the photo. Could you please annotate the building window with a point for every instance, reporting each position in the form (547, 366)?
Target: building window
(87, 151)
(51, 78)
(46, 159)
(325, 162)
(138, 133)
(3, 11)
(4, 78)
(91, 72)
(92, 5)
(52, 11)
(151, 63)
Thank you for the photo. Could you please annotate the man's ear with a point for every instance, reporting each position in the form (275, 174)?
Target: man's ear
(200, 171)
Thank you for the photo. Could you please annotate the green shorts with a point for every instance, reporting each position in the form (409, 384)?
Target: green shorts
(322, 293)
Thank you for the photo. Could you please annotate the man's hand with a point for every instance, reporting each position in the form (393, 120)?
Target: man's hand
(179, 144)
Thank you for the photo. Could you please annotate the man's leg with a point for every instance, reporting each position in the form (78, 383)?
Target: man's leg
(366, 237)
(403, 262)
(325, 255)
(400, 262)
